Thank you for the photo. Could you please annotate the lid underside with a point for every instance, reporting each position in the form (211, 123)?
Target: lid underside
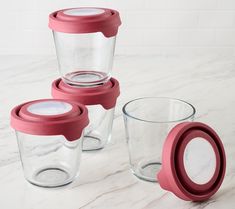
(193, 162)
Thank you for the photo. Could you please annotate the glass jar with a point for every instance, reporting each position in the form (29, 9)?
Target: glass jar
(147, 122)
(98, 132)
(49, 146)
(186, 158)
(85, 43)
(100, 101)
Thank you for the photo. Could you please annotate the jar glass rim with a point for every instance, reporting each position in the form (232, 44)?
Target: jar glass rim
(128, 114)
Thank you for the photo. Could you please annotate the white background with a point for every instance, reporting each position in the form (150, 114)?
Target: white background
(149, 26)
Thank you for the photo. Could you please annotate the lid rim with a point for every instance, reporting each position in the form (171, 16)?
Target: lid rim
(24, 113)
(168, 177)
(151, 121)
(105, 95)
(107, 22)
(189, 185)
(70, 126)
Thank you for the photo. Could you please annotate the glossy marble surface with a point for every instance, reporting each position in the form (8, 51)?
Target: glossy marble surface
(207, 80)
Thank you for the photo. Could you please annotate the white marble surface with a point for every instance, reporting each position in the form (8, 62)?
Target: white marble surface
(205, 80)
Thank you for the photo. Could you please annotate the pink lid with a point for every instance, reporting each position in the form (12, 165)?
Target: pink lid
(173, 176)
(85, 20)
(105, 94)
(50, 117)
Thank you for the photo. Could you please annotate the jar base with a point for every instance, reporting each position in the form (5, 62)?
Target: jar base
(147, 171)
(51, 177)
(91, 143)
(86, 78)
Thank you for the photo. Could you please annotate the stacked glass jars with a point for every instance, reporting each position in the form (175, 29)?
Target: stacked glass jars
(85, 42)
(50, 132)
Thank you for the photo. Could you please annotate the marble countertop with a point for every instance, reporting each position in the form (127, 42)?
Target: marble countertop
(105, 181)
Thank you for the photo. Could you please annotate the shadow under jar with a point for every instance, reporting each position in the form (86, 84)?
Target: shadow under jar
(100, 101)
(50, 148)
(85, 43)
(147, 122)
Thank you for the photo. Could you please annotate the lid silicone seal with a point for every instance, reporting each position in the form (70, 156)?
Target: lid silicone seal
(85, 20)
(105, 94)
(39, 117)
(173, 176)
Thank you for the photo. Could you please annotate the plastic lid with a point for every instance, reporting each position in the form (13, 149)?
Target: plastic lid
(85, 20)
(105, 94)
(193, 162)
(50, 117)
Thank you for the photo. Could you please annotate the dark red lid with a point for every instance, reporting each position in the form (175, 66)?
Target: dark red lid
(173, 176)
(105, 94)
(50, 117)
(85, 20)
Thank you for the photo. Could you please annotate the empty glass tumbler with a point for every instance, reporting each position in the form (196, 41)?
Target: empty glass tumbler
(100, 101)
(49, 134)
(147, 122)
(85, 43)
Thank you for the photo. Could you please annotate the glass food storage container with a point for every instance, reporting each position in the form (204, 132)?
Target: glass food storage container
(49, 134)
(192, 161)
(147, 122)
(85, 43)
(100, 101)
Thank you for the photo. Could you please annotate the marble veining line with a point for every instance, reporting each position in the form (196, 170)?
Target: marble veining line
(108, 192)
(203, 204)
(12, 160)
(101, 179)
(155, 201)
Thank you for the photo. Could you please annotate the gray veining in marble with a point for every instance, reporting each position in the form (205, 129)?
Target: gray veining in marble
(205, 80)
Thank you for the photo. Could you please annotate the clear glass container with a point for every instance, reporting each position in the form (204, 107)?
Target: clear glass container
(49, 134)
(84, 59)
(49, 161)
(100, 101)
(85, 42)
(98, 133)
(147, 123)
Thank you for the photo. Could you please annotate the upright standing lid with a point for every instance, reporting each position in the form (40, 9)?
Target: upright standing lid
(50, 117)
(193, 162)
(85, 20)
